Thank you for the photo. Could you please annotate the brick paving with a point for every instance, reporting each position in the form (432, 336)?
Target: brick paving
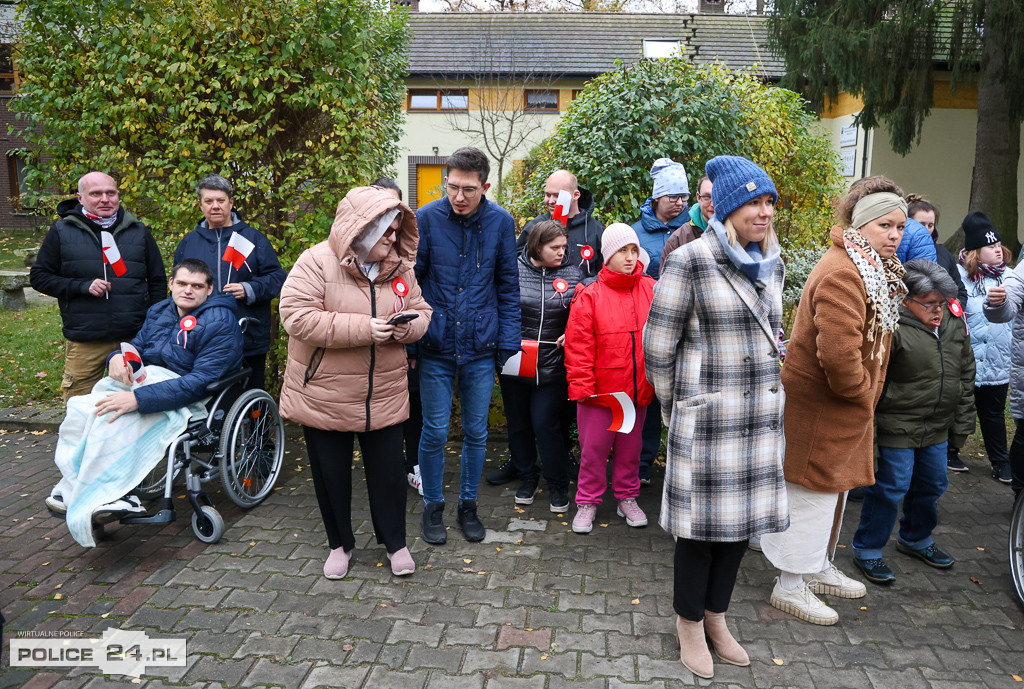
(534, 606)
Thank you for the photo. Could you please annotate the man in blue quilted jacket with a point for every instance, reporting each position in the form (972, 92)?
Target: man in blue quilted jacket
(466, 267)
(194, 334)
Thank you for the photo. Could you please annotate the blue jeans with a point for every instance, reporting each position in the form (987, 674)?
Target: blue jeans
(918, 477)
(437, 380)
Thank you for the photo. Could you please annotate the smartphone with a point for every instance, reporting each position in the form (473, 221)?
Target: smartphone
(403, 318)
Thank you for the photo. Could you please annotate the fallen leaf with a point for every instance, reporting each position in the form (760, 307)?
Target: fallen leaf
(498, 549)
(976, 581)
(44, 564)
(544, 656)
(518, 551)
(383, 605)
(57, 596)
(1017, 678)
(347, 647)
(466, 560)
(603, 526)
(635, 601)
(468, 569)
(252, 542)
(863, 607)
(980, 548)
(778, 661)
(380, 564)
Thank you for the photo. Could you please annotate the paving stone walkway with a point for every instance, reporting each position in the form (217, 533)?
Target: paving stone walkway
(533, 606)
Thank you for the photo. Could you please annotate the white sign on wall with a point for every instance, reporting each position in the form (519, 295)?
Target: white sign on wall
(848, 135)
(849, 161)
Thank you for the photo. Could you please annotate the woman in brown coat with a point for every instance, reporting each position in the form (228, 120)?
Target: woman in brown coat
(346, 371)
(833, 378)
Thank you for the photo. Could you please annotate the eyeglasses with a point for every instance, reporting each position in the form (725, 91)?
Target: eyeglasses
(467, 192)
(703, 197)
(677, 198)
(929, 307)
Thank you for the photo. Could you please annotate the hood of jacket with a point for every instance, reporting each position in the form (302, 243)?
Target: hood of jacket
(206, 232)
(361, 206)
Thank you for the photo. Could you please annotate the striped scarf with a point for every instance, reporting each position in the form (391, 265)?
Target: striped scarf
(105, 223)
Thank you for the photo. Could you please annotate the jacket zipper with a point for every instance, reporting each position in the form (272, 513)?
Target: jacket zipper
(540, 323)
(220, 287)
(373, 353)
(942, 381)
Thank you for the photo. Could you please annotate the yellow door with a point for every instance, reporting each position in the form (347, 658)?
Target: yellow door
(429, 183)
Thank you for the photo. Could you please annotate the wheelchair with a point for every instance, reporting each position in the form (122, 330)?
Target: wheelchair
(1017, 547)
(240, 441)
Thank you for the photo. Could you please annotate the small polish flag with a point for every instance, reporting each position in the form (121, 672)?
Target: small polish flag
(561, 212)
(623, 411)
(133, 360)
(111, 254)
(524, 363)
(238, 250)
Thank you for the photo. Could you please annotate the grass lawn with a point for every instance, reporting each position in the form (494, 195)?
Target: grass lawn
(31, 358)
(10, 243)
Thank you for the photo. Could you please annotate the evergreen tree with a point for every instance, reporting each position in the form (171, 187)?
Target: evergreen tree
(888, 52)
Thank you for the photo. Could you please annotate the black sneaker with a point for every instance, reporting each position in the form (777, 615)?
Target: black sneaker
(1001, 473)
(930, 555)
(433, 523)
(875, 570)
(527, 491)
(502, 474)
(472, 528)
(559, 500)
(954, 463)
(856, 494)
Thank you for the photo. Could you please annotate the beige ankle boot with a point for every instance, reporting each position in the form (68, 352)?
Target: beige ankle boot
(693, 648)
(726, 647)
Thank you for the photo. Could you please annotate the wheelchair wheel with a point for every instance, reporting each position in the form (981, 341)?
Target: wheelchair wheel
(208, 525)
(1017, 547)
(251, 448)
(152, 487)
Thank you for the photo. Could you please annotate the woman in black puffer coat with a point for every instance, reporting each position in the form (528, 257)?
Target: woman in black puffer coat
(534, 404)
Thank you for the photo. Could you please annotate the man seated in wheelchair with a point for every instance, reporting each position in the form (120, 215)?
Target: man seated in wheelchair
(112, 437)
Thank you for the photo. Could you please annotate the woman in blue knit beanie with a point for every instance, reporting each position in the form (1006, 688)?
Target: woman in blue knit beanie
(712, 354)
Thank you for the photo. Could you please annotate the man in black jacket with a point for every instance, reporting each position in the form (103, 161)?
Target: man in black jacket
(584, 230)
(104, 267)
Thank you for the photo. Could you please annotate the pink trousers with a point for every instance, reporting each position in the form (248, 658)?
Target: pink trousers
(596, 442)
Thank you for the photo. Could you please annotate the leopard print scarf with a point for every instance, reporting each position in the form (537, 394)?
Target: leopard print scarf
(883, 282)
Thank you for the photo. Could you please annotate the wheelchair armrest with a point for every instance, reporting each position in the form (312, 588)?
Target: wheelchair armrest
(226, 382)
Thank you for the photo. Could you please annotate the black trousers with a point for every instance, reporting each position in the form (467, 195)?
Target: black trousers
(413, 426)
(991, 403)
(705, 575)
(534, 417)
(258, 364)
(330, 459)
(1017, 458)
(651, 436)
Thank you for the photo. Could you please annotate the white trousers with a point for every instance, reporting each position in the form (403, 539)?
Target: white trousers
(809, 543)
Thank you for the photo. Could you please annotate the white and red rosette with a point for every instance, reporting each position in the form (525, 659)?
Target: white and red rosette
(560, 285)
(401, 288)
(186, 325)
(586, 252)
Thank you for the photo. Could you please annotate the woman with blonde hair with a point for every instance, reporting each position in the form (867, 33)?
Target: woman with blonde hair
(713, 358)
(833, 378)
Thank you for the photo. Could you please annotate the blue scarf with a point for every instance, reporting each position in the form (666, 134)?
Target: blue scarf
(749, 261)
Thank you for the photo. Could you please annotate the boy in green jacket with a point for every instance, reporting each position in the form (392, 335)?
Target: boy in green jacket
(928, 397)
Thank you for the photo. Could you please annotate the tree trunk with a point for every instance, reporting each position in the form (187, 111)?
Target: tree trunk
(997, 147)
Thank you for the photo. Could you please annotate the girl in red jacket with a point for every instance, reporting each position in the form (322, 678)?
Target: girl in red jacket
(604, 353)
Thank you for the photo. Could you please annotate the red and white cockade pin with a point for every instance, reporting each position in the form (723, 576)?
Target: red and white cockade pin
(186, 325)
(587, 253)
(560, 285)
(400, 288)
(955, 308)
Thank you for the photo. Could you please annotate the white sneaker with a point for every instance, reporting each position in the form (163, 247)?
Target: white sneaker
(56, 504)
(803, 604)
(129, 504)
(832, 582)
(415, 480)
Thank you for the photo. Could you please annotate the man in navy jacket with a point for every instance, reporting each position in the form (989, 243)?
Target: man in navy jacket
(466, 267)
(195, 333)
(254, 284)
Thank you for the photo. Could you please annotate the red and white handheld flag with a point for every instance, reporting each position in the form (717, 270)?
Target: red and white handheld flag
(111, 254)
(133, 361)
(238, 250)
(623, 411)
(524, 363)
(561, 212)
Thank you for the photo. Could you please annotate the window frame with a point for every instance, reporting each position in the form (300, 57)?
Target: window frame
(439, 96)
(534, 108)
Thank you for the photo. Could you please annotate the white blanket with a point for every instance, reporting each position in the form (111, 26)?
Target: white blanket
(103, 461)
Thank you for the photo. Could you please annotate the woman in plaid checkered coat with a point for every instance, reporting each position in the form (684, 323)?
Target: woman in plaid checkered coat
(712, 354)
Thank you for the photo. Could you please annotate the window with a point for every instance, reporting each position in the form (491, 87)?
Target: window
(6, 68)
(16, 176)
(542, 100)
(655, 48)
(438, 99)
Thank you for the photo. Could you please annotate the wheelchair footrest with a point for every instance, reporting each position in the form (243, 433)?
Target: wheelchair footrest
(164, 516)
